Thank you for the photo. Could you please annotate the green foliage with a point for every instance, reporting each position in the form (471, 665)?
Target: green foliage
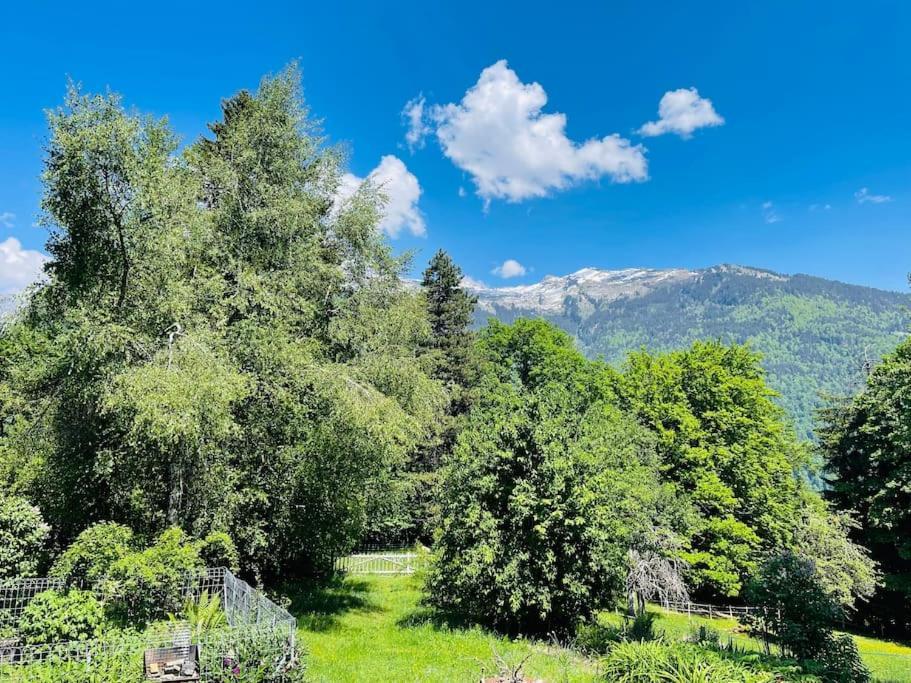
(641, 662)
(799, 615)
(147, 584)
(844, 568)
(814, 335)
(22, 537)
(452, 359)
(450, 309)
(218, 550)
(546, 489)
(89, 558)
(866, 441)
(53, 617)
(203, 614)
(723, 439)
(797, 612)
(220, 345)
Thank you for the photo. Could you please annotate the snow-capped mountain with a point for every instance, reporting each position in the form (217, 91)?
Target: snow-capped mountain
(582, 292)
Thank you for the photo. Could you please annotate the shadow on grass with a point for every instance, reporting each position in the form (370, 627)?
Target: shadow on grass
(319, 605)
(440, 620)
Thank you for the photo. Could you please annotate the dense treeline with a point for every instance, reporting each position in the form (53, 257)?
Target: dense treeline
(225, 355)
(218, 345)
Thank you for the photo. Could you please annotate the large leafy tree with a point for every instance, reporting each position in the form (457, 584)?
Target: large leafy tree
(548, 487)
(219, 344)
(723, 439)
(866, 441)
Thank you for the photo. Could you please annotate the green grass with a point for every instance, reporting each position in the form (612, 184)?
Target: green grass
(374, 628)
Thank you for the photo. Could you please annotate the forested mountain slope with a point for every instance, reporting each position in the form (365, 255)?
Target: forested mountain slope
(815, 334)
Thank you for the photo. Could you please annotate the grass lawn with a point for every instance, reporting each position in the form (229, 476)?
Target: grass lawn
(373, 628)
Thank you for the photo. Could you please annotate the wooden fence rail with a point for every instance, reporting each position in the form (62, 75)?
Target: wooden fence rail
(711, 611)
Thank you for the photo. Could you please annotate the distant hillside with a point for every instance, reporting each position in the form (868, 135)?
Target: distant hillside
(814, 334)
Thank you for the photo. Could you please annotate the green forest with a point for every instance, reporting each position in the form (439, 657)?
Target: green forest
(224, 368)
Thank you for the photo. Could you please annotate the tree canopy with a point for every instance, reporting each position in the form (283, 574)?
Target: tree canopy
(219, 344)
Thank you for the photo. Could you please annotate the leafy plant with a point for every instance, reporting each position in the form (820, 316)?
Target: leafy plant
(51, 616)
(22, 537)
(637, 662)
(146, 584)
(90, 557)
(203, 613)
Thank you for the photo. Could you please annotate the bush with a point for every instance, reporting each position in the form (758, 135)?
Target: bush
(53, 617)
(22, 537)
(840, 661)
(91, 556)
(650, 662)
(218, 550)
(799, 615)
(797, 612)
(148, 584)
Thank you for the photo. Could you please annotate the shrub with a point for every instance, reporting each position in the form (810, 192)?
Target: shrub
(799, 615)
(797, 612)
(22, 537)
(89, 558)
(148, 584)
(840, 661)
(52, 616)
(203, 614)
(218, 550)
(650, 662)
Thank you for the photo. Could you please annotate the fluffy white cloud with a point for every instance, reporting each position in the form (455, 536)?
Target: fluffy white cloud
(18, 267)
(402, 192)
(769, 214)
(509, 268)
(863, 196)
(414, 117)
(7, 218)
(499, 134)
(682, 111)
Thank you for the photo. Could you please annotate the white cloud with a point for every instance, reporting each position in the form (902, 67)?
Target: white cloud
(401, 190)
(820, 207)
(682, 111)
(509, 268)
(514, 151)
(413, 115)
(7, 219)
(769, 214)
(863, 196)
(18, 267)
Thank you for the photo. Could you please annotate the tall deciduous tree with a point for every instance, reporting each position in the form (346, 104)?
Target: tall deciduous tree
(220, 344)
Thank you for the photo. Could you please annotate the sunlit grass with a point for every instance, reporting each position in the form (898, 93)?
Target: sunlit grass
(374, 628)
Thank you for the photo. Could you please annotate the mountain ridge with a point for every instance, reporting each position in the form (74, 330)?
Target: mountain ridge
(816, 335)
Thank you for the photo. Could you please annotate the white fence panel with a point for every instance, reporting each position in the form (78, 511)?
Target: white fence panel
(378, 563)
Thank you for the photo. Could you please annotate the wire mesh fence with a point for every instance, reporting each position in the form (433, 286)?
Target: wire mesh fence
(258, 641)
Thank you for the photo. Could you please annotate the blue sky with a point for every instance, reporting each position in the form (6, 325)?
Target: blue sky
(814, 99)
